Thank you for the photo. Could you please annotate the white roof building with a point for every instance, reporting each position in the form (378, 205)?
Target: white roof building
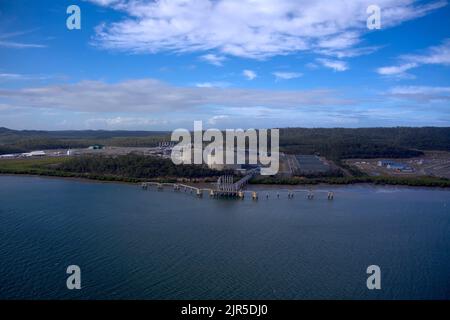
(34, 154)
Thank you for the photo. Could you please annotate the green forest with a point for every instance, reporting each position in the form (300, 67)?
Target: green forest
(134, 166)
(343, 143)
(129, 168)
(334, 143)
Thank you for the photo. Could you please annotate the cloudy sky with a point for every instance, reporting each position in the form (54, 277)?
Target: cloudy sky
(160, 65)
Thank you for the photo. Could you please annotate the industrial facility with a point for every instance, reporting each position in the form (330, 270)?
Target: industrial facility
(392, 165)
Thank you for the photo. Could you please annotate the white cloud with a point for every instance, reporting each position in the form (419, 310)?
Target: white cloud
(106, 2)
(213, 59)
(399, 70)
(6, 42)
(214, 84)
(249, 28)
(421, 93)
(348, 53)
(122, 122)
(419, 90)
(20, 45)
(249, 74)
(279, 75)
(215, 119)
(439, 55)
(336, 65)
(153, 96)
(343, 41)
(19, 76)
(11, 76)
(311, 65)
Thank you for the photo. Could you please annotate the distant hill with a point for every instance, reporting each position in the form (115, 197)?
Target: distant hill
(12, 141)
(340, 143)
(335, 143)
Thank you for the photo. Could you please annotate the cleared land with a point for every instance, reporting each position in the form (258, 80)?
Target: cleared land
(432, 163)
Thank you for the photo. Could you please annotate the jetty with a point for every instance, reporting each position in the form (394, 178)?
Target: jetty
(226, 187)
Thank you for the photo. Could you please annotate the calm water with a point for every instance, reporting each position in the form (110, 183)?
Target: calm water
(131, 243)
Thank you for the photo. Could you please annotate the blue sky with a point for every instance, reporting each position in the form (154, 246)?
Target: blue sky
(141, 64)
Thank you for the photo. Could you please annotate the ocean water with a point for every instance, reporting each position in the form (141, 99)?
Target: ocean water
(135, 244)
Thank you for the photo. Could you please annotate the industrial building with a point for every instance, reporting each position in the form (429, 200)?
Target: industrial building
(34, 154)
(393, 165)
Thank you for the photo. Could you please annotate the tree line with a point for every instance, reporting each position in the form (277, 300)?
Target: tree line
(135, 166)
(334, 143)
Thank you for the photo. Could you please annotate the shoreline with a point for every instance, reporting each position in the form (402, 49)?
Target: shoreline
(258, 186)
(79, 179)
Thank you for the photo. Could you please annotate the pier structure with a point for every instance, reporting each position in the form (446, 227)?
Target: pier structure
(176, 187)
(225, 187)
